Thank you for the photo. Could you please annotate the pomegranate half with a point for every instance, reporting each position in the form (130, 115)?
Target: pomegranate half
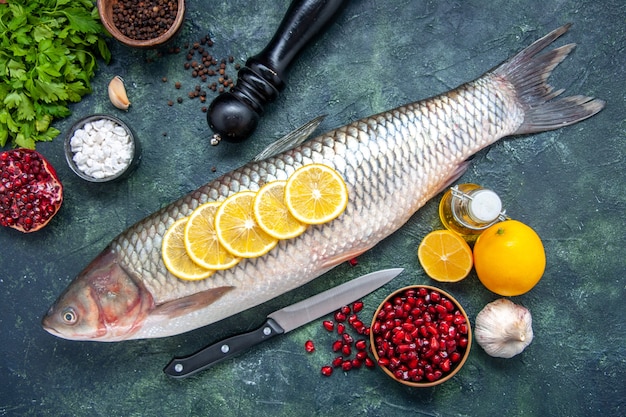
(30, 190)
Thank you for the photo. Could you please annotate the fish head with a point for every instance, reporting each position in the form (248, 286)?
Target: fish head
(103, 303)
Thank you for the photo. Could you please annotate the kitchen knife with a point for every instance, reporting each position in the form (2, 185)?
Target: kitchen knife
(281, 321)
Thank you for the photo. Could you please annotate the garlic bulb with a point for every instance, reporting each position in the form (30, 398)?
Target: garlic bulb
(117, 93)
(503, 329)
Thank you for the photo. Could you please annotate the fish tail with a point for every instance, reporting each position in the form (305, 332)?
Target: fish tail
(528, 72)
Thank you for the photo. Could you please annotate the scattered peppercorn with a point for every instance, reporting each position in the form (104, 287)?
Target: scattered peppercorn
(203, 66)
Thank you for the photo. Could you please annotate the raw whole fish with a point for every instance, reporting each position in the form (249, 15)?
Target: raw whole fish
(392, 162)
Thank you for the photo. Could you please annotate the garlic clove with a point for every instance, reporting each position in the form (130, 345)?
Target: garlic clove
(503, 329)
(117, 93)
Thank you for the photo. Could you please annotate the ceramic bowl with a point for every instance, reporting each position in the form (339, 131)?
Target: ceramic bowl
(105, 9)
(409, 344)
(76, 162)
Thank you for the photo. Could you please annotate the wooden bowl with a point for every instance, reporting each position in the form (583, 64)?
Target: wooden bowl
(423, 383)
(105, 8)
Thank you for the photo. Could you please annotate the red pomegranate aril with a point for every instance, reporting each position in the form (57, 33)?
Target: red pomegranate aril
(337, 345)
(357, 306)
(340, 317)
(360, 344)
(462, 342)
(369, 362)
(341, 328)
(358, 326)
(361, 355)
(441, 309)
(445, 365)
(346, 365)
(328, 325)
(345, 310)
(356, 363)
(309, 346)
(347, 339)
(346, 350)
(327, 370)
(337, 361)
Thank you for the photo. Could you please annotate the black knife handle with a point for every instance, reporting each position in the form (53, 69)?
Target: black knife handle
(217, 352)
(233, 116)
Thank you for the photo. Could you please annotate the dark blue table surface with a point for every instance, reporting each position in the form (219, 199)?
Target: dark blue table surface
(568, 184)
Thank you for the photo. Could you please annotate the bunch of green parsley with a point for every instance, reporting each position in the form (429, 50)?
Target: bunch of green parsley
(48, 55)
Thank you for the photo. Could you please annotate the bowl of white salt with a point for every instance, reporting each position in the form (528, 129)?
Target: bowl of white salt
(102, 148)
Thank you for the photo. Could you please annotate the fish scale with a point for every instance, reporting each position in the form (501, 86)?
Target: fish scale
(392, 163)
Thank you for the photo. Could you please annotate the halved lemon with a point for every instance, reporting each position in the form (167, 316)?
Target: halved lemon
(175, 256)
(272, 214)
(237, 229)
(316, 194)
(201, 240)
(445, 256)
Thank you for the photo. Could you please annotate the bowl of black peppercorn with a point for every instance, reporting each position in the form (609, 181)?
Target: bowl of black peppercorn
(148, 24)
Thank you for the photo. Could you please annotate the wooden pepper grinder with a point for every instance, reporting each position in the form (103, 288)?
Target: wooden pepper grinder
(234, 115)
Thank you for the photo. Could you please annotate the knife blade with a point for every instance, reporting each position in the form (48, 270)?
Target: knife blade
(280, 322)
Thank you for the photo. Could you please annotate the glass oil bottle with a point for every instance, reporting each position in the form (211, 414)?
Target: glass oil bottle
(468, 209)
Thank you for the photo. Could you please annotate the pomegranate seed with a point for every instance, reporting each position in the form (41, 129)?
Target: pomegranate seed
(347, 339)
(328, 325)
(357, 306)
(327, 370)
(369, 362)
(346, 365)
(353, 262)
(341, 328)
(384, 362)
(340, 317)
(360, 344)
(361, 355)
(309, 346)
(346, 350)
(337, 361)
(345, 310)
(337, 345)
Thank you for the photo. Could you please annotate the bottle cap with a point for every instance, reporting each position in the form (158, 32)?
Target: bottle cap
(485, 206)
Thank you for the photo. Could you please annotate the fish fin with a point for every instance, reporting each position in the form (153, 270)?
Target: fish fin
(191, 303)
(456, 174)
(290, 140)
(529, 71)
(336, 260)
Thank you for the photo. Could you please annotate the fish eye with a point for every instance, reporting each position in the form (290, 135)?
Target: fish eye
(69, 316)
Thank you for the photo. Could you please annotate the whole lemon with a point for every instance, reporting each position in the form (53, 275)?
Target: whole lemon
(509, 258)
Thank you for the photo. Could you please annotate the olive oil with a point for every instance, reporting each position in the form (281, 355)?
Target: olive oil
(468, 209)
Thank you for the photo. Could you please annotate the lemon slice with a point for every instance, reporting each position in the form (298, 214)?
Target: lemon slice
(445, 256)
(316, 194)
(237, 229)
(201, 240)
(272, 214)
(175, 256)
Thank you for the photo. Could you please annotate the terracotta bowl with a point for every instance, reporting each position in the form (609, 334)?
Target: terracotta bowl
(105, 8)
(454, 367)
